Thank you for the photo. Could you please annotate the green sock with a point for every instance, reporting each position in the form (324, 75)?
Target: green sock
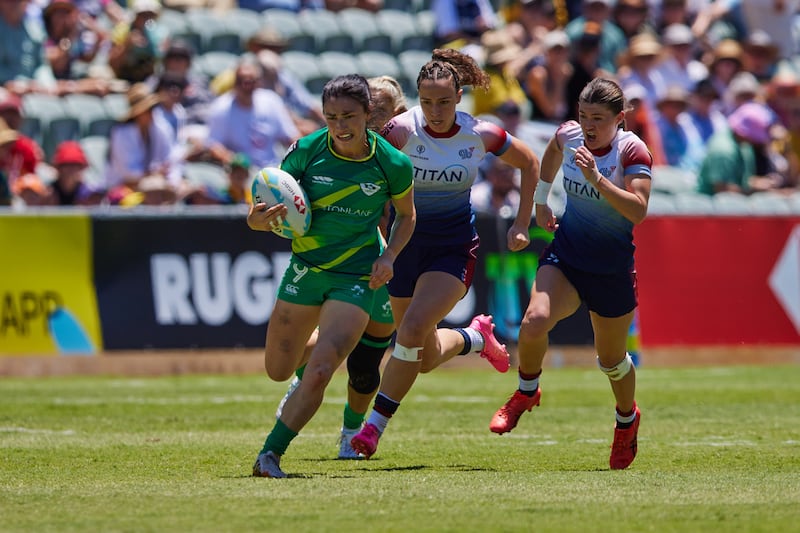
(278, 439)
(352, 420)
(299, 372)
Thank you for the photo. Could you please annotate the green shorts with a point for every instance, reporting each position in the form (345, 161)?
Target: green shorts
(305, 286)
(381, 307)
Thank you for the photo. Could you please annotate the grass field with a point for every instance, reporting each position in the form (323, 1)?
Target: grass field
(719, 450)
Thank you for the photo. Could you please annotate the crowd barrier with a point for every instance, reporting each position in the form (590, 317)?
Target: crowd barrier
(78, 282)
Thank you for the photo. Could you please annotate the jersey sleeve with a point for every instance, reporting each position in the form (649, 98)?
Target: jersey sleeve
(294, 162)
(398, 130)
(402, 179)
(636, 158)
(495, 139)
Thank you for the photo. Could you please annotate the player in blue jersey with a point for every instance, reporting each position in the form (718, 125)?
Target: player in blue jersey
(435, 269)
(607, 174)
(348, 173)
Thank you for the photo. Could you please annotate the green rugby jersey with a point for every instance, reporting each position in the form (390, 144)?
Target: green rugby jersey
(347, 198)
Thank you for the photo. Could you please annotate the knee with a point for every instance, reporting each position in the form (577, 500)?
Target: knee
(426, 366)
(413, 331)
(278, 374)
(535, 324)
(317, 377)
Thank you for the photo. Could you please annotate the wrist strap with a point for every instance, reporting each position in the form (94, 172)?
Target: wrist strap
(542, 192)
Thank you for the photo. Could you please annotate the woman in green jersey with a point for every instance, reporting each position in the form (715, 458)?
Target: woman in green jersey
(348, 173)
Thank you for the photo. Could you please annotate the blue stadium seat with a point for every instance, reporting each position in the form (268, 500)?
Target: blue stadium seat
(770, 203)
(90, 111)
(96, 149)
(206, 174)
(333, 64)
(322, 24)
(372, 64)
(411, 62)
(731, 203)
(287, 23)
(794, 203)
(303, 65)
(691, 203)
(673, 180)
(362, 26)
(661, 204)
(401, 26)
(116, 104)
(65, 128)
(212, 63)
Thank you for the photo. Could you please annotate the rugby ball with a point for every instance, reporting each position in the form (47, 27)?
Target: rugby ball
(274, 186)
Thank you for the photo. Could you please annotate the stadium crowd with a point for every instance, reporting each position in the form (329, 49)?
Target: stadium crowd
(109, 103)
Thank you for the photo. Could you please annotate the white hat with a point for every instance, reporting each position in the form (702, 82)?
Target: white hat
(676, 34)
(146, 6)
(555, 38)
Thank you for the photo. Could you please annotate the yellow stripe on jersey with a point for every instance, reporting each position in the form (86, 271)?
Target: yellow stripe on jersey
(331, 199)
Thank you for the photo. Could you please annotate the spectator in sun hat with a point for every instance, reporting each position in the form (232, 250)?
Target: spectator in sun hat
(761, 55)
(499, 48)
(679, 65)
(69, 187)
(640, 65)
(24, 155)
(724, 62)
(739, 159)
(683, 145)
(640, 118)
(7, 137)
(705, 110)
(743, 87)
(140, 145)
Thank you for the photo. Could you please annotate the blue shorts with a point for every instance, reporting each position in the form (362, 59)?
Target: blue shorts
(415, 260)
(608, 295)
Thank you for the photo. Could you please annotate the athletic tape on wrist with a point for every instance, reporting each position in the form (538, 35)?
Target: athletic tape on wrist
(542, 192)
(406, 354)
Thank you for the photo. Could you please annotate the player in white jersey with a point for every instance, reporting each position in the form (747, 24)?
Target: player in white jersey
(607, 173)
(445, 147)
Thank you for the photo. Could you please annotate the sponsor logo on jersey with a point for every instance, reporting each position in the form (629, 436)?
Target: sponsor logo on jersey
(370, 188)
(580, 188)
(322, 180)
(348, 211)
(292, 289)
(420, 148)
(453, 173)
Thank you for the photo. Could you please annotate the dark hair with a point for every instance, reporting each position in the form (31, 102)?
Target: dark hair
(169, 79)
(448, 63)
(605, 92)
(352, 86)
